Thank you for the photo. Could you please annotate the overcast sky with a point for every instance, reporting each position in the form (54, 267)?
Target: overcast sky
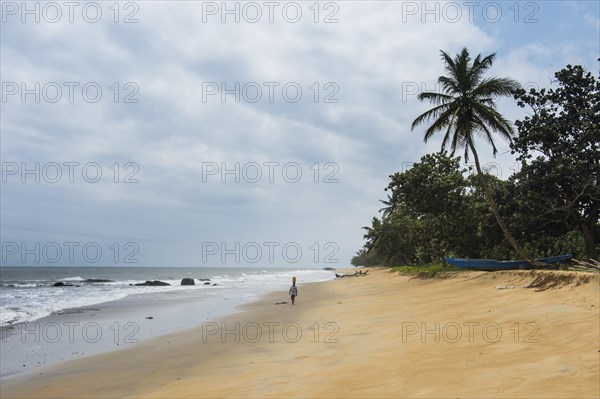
(134, 117)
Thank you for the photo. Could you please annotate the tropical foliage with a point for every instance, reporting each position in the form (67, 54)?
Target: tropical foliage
(551, 205)
(559, 149)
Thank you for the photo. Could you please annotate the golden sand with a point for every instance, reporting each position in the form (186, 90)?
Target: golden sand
(384, 335)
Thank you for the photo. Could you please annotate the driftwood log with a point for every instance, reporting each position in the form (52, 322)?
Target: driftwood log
(356, 274)
(589, 264)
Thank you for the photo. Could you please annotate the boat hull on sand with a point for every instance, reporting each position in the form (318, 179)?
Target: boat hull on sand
(490, 264)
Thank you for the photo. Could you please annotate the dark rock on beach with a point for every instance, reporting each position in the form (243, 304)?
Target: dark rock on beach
(153, 283)
(207, 283)
(329, 269)
(188, 281)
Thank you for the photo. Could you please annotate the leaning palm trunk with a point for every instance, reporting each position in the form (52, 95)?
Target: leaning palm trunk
(490, 199)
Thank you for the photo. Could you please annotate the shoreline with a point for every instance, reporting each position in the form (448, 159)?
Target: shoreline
(79, 332)
(83, 331)
(374, 336)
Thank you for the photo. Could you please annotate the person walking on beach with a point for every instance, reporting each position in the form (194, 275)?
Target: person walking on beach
(293, 292)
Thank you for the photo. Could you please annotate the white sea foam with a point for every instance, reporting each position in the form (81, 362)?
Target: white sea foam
(33, 299)
(72, 279)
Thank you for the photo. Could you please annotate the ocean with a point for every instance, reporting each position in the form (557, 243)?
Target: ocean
(28, 293)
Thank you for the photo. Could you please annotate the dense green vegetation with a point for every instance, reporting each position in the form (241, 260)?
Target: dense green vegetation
(550, 205)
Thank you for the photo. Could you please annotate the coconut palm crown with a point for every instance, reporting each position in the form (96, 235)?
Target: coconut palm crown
(466, 106)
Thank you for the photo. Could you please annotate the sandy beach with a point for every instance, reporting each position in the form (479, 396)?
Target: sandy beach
(472, 334)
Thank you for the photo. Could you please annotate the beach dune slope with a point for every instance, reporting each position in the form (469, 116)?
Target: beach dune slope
(504, 334)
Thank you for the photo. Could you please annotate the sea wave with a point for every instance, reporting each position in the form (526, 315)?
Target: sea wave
(28, 300)
(72, 279)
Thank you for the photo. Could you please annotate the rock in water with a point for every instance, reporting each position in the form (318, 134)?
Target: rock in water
(188, 281)
(61, 284)
(98, 280)
(153, 283)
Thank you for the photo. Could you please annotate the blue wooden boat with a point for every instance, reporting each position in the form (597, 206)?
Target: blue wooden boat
(556, 259)
(490, 264)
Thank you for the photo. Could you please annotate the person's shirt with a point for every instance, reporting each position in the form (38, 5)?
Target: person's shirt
(293, 290)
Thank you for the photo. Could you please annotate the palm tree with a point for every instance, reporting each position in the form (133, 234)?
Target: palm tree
(372, 234)
(389, 206)
(466, 108)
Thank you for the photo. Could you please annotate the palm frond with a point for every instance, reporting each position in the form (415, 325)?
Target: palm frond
(480, 66)
(426, 116)
(434, 98)
(448, 85)
(487, 134)
(494, 120)
(495, 87)
(451, 66)
(449, 130)
(446, 119)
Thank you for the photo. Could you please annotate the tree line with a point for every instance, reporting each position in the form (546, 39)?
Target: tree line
(549, 206)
